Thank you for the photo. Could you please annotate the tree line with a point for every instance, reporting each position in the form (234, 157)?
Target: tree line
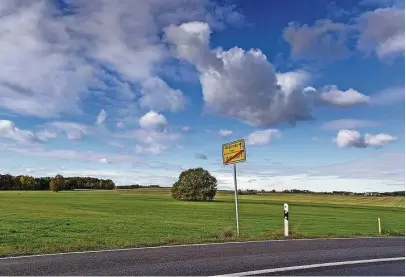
(253, 191)
(24, 182)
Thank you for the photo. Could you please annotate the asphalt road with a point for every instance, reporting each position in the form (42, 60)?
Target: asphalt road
(218, 259)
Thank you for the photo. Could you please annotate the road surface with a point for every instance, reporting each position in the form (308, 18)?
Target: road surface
(251, 258)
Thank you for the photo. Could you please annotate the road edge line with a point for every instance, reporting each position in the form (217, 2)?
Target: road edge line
(310, 266)
(188, 245)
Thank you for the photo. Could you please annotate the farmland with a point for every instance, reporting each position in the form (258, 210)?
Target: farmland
(45, 222)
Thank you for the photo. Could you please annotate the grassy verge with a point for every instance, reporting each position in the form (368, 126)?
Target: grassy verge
(45, 222)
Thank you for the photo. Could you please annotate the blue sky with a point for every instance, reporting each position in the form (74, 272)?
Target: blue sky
(137, 91)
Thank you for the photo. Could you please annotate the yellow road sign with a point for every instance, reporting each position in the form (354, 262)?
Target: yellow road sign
(234, 152)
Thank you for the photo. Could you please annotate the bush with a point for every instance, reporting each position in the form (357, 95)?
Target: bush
(195, 184)
(227, 233)
(57, 183)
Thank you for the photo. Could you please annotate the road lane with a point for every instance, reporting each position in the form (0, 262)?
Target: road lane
(206, 260)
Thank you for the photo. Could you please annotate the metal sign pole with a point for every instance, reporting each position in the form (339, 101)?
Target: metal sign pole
(236, 199)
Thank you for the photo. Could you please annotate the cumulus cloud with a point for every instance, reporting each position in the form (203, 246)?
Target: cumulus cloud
(333, 96)
(349, 123)
(262, 137)
(9, 130)
(153, 121)
(225, 133)
(104, 161)
(351, 138)
(382, 32)
(157, 95)
(72, 130)
(101, 117)
(45, 52)
(201, 156)
(237, 83)
(324, 40)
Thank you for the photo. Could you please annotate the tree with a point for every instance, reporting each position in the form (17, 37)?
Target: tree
(57, 183)
(27, 182)
(195, 184)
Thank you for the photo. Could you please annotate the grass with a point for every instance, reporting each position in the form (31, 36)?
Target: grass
(44, 222)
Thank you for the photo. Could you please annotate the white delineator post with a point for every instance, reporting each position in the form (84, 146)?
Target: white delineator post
(236, 199)
(379, 225)
(286, 218)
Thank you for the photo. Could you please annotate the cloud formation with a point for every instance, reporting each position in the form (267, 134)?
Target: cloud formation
(331, 95)
(10, 131)
(153, 121)
(92, 45)
(352, 138)
(225, 133)
(262, 137)
(237, 83)
(101, 117)
(349, 123)
(324, 40)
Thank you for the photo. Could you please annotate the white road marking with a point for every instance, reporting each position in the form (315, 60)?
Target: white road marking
(188, 245)
(301, 267)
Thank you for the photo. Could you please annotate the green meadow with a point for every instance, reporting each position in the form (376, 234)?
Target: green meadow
(33, 222)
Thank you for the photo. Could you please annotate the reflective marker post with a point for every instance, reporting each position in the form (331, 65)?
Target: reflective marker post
(236, 199)
(286, 218)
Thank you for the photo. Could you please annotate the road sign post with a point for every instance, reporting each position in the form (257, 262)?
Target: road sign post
(286, 218)
(234, 152)
(236, 199)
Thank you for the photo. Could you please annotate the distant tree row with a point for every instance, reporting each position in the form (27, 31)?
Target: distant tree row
(253, 191)
(23, 182)
(136, 186)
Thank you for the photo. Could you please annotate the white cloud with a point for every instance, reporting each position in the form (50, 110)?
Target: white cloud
(153, 121)
(45, 57)
(68, 154)
(262, 137)
(237, 83)
(186, 128)
(29, 170)
(101, 117)
(151, 149)
(120, 125)
(46, 135)
(352, 138)
(104, 161)
(157, 95)
(10, 131)
(153, 136)
(73, 131)
(393, 95)
(349, 123)
(225, 133)
(333, 96)
(382, 31)
(293, 81)
(324, 40)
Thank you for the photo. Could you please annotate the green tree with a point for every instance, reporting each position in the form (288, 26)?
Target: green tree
(57, 183)
(195, 184)
(27, 183)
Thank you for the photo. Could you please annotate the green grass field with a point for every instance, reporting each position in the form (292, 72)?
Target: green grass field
(45, 222)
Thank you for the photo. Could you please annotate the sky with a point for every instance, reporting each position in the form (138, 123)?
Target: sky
(137, 91)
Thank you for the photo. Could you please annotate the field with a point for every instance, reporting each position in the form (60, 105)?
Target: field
(45, 222)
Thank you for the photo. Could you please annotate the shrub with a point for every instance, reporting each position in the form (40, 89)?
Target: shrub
(228, 233)
(56, 183)
(195, 184)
